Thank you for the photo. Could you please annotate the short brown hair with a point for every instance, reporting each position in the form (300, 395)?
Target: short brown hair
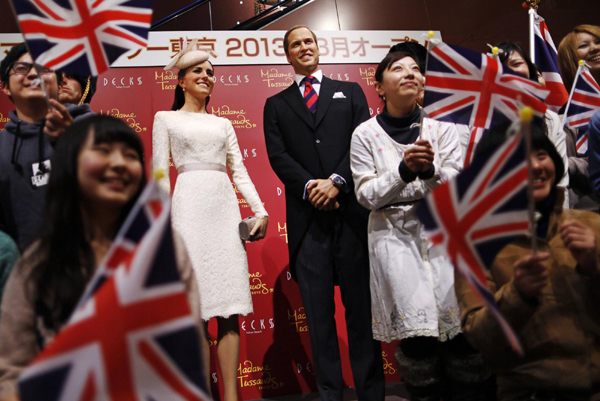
(568, 61)
(286, 43)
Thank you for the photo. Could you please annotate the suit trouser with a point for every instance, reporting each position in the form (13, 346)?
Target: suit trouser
(331, 249)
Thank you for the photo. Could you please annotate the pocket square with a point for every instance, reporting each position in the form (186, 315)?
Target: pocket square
(339, 95)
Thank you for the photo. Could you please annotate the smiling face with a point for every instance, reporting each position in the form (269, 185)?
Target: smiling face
(543, 172)
(108, 173)
(20, 86)
(402, 82)
(517, 63)
(199, 80)
(70, 90)
(303, 52)
(588, 49)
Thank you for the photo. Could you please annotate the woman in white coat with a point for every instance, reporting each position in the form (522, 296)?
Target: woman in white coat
(396, 160)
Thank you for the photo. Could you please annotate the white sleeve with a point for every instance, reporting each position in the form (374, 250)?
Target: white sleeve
(161, 151)
(557, 135)
(239, 174)
(373, 190)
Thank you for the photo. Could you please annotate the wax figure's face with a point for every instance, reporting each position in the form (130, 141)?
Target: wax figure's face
(517, 63)
(20, 87)
(588, 49)
(108, 173)
(303, 52)
(70, 90)
(403, 81)
(543, 172)
(199, 80)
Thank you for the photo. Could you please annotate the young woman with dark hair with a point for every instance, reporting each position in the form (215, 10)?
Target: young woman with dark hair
(97, 176)
(205, 206)
(395, 162)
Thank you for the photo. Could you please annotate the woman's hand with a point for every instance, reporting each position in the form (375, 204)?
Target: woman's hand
(419, 157)
(58, 120)
(260, 229)
(531, 274)
(581, 241)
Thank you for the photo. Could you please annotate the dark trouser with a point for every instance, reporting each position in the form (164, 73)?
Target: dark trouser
(451, 370)
(330, 251)
(552, 396)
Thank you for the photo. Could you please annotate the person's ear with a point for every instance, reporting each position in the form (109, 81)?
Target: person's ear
(5, 88)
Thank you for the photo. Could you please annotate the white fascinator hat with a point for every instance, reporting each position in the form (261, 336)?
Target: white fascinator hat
(187, 56)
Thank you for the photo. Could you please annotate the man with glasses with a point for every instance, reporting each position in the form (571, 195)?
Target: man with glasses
(27, 143)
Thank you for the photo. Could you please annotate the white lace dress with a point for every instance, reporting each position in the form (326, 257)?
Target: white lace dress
(205, 209)
(412, 285)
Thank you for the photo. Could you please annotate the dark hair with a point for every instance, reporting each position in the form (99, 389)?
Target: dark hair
(14, 54)
(61, 275)
(179, 99)
(510, 47)
(493, 138)
(390, 59)
(418, 51)
(568, 59)
(286, 42)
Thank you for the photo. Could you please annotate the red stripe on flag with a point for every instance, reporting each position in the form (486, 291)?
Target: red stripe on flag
(458, 104)
(505, 228)
(451, 61)
(577, 123)
(495, 168)
(115, 32)
(47, 10)
(65, 56)
(582, 141)
(89, 391)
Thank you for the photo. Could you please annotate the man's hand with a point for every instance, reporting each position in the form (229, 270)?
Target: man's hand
(581, 241)
(322, 194)
(419, 157)
(531, 274)
(58, 120)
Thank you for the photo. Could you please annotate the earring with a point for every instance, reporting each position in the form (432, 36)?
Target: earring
(383, 97)
(183, 89)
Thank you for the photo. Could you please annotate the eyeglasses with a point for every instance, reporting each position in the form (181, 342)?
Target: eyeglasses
(20, 68)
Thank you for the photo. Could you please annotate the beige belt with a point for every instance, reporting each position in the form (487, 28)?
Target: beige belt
(202, 166)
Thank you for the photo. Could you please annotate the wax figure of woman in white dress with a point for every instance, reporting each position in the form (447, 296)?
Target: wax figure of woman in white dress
(205, 207)
(394, 165)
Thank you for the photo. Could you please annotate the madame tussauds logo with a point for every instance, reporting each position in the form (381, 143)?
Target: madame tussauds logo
(123, 82)
(297, 318)
(276, 79)
(257, 287)
(237, 117)
(368, 74)
(3, 120)
(247, 373)
(166, 79)
(129, 118)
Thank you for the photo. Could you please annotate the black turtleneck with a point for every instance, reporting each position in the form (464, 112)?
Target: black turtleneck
(404, 130)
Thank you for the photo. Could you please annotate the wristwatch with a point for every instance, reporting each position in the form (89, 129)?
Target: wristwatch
(338, 181)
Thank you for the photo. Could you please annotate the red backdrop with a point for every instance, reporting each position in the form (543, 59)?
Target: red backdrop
(275, 356)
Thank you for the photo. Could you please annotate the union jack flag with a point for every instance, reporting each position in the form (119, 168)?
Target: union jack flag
(83, 36)
(475, 134)
(467, 87)
(133, 336)
(546, 59)
(584, 102)
(474, 215)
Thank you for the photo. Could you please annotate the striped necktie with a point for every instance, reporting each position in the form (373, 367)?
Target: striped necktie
(310, 96)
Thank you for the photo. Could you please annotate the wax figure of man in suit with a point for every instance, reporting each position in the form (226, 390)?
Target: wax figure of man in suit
(327, 228)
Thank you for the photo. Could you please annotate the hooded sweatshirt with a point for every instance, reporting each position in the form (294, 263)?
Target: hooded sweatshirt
(25, 153)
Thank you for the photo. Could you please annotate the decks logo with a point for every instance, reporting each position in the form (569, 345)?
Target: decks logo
(257, 326)
(233, 80)
(123, 82)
